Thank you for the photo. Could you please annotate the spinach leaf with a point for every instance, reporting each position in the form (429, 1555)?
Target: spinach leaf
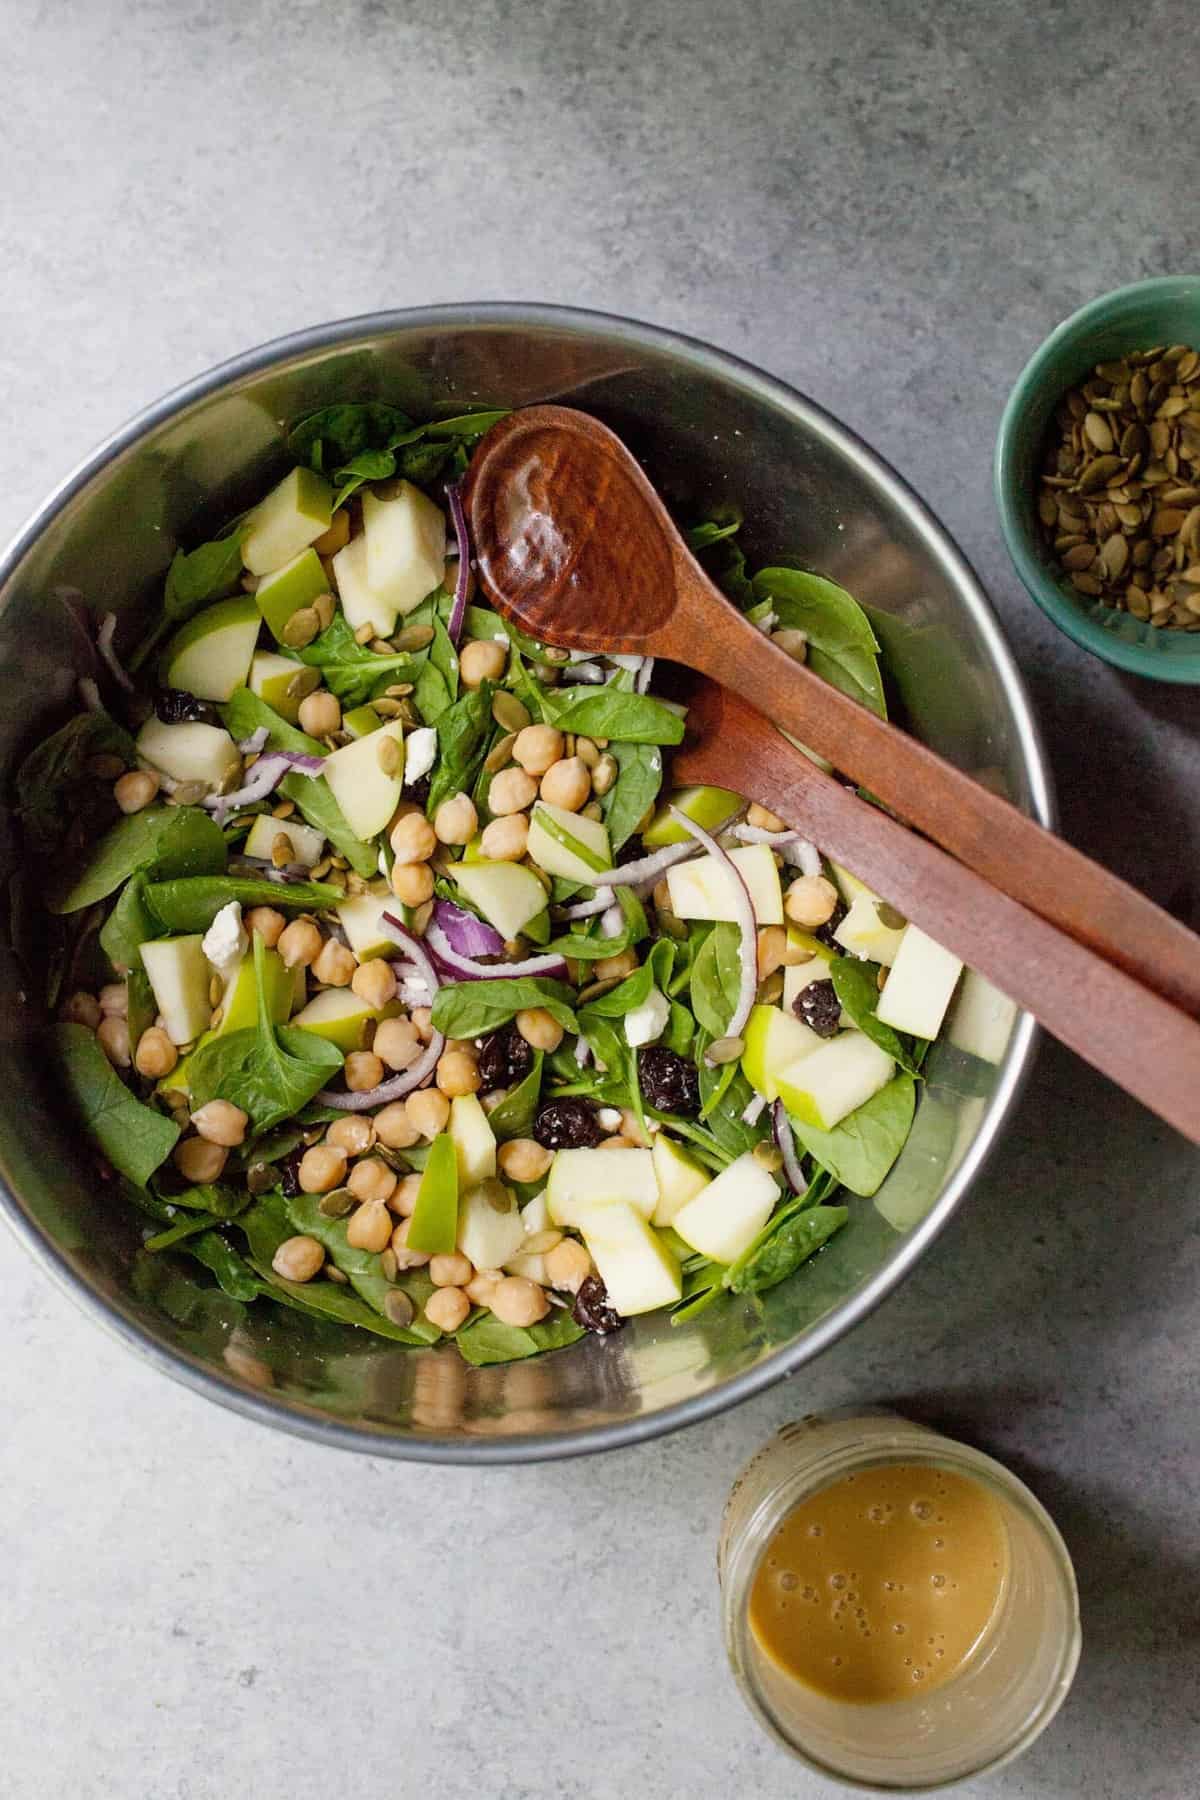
(712, 531)
(862, 1149)
(513, 1118)
(350, 669)
(334, 435)
(842, 648)
(467, 425)
(209, 572)
(52, 783)
(588, 945)
(360, 1267)
(161, 840)
(212, 1197)
(716, 973)
(639, 778)
(444, 657)
(486, 1340)
(176, 1234)
(128, 926)
(269, 1071)
(463, 733)
(634, 990)
(430, 693)
(134, 1138)
(725, 1094)
(785, 1249)
(723, 560)
(242, 715)
(681, 1030)
(611, 713)
(234, 1275)
(266, 1224)
(467, 1009)
(857, 987)
(141, 1008)
(368, 465)
(193, 904)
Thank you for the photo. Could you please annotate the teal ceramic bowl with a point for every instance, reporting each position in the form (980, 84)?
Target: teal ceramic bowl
(1162, 311)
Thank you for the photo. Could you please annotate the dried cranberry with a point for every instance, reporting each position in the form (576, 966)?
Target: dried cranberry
(632, 850)
(591, 1308)
(824, 933)
(669, 1081)
(418, 790)
(819, 1007)
(567, 1125)
(504, 1058)
(289, 1173)
(175, 706)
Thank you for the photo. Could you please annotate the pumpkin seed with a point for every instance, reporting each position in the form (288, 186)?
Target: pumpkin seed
(1116, 554)
(724, 1050)
(338, 1204)
(398, 1307)
(387, 708)
(500, 753)
(389, 755)
(301, 628)
(303, 683)
(364, 634)
(1097, 431)
(413, 637)
(508, 711)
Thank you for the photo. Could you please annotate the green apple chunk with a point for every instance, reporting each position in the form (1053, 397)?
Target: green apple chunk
(507, 895)
(473, 1139)
(284, 592)
(919, 988)
(490, 1229)
(360, 721)
(306, 843)
(360, 783)
(581, 1179)
(704, 888)
(679, 1179)
(362, 921)
(823, 1087)
(360, 603)
(239, 1007)
(982, 1020)
(179, 975)
(863, 933)
(634, 1264)
(190, 751)
(728, 1214)
(339, 1015)
(270, 678)
(406, 546)
(774, 1039)
(433, 1227)
(707, 806)
(293, 516)
(210, 655)
(851, 886)
(549, 826)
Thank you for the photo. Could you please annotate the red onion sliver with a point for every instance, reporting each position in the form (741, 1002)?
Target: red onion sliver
(89, 694)
(104, 644)
(255, 742)
(746, 922)
(587, 909)
(641, 680)
(750, 1112)
(782, 1127)
(468, 934)
(263, 779)
(395, 1089)
(458, 611)
(467, 969)
(583, 1051)
(416, 950)
(612, 922)
(647, 868)
(588, 672)
(795, 847)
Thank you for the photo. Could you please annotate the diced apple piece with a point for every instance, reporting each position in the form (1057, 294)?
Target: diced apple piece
(507, 895)
(307, 844)
(270, 677)
(190, 751)
(362, 921)
(283, 593)
(179, 975)
(489, 1232)
(535, 1215)
(360, 721)
(679, 1179)
(852, 888)
(704, 889)
(358, 781)
(210, 655)
(473, 1139)
(918, 990)
(634, 1264)
(293, 516)
(863, 933)
(982, 1020)
(531, 1264)
(822, 1088)
(774, 1039)
(339, 1015)
(239, 1008)
(406, 546)
(580, 1179)
(360, 603)
(707, 806)
(548, 824)
(728, 1214)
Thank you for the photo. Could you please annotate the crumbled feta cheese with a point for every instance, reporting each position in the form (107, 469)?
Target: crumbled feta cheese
(649, 1020)
(609, 1117)
(225, 941)
(420, 748)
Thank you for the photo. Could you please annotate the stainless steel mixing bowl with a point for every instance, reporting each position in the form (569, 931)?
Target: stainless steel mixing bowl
(714, 433)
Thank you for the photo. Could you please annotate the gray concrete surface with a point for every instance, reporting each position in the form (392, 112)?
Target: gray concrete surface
(888, 204)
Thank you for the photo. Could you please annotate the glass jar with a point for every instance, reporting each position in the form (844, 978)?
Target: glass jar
(1005, 1694)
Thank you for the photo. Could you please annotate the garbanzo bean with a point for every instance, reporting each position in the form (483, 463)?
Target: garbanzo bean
(135, 790)
(322, 1169)
(452, 1269)
(363, 1071)
(413, 839)
(403, 1198)
(156, 1055)
(481, 660)
(519, 1301)
(299, 943)
(298, 1258)
(114, 999)
(199, 1161)
(568, 1265)
(371, 1179)
(512, 790)
(427, 1111)
(221, 1123)
(82, 1009)
(370, 1227)
(567, 783)
(394, 1126)
(406, 1258)
(538, 748)
(354, 1134)
(539, 1028)
(320, 714)
(396, 1041)
(112, 1035)
(447, 1307)
(810, 901)
(458, 1073)
(456, 820)
(412, 883)
(268, 923)
(524, 1159)
(334, 965)
(505, 840)
(374, 982)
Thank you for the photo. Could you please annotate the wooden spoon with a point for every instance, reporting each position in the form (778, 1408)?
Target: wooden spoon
(573, 544)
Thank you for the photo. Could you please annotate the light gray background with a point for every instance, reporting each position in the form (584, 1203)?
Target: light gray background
(888, 204)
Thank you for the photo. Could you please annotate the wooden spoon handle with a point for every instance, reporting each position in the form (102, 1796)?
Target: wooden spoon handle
(987, 833)
(1138, 1040)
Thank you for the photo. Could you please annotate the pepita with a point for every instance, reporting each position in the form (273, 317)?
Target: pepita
(412, 637)
(398, 1307)
(301, 628)
(508, 711)
(500, 753)
(303, 683)
(389, 755)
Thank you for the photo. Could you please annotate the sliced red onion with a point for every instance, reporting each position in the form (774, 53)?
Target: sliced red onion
(645, 869)
(746, 922)
(750, 1113)
(589, 672)
(414, 993)
(104, 644)
(255, 742)
(89, 694)
(396, 1088)
(587, 909)
(641, 680)
(612, 922)
(264, 778)
(583, 1051)
(469, 935)
(469, 970)
(416, 950)
(458, 611)
(782, 1127)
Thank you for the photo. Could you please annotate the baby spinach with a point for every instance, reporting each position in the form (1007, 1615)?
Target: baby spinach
(486, 1340)
(681, 1030)
(713, 531)
(467, 1009)
(266, 1224)
(333, 436)
(609, 712)
(128, 926)
(725, 1094)
(463, 733)
(862, 1149)
(243, 715)
(269, 1071)
(197, 576)
(842, 648)
(514, 1116)
(635, 989)
(350, 669)
(213, 1197)
(53, 783)
(161, 840)
(857, 987)
(716, 973)
(639, 778)
(796, 1239)
(360, 1267)
(234, 1275)
(133, 1138)
(192, 904)
(722, 559)
(588, 945)
(176, 1234)
(141, 1008)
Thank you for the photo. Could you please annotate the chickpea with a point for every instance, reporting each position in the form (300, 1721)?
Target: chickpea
(568, 1265)
(413, 839)
(403, 1198)
(114, 1000)
(538, 748)
(482, 1286)
(156, 1055)
(370, 1227)
(481, 660)
(451, 1270)
(374, 982)
(406, 1258)
(299, 943)
(618, 1141)
(762, 820)
(524, 1159)
(412, 883)
(371, 1179)
(268, 923)
(505, 840)
(422, 1022)
(199, 1161)
(354, 1134)
(519, 1301)
(135, 790)
(427, 1111)
(322, 1169)
(567, 784)
(221, 1122)
(810, 901)
(631, 1127)
(447, 1308)
(320, 714)
(458, 1073)
(512, 790)
(794, 642)
(539, 1028)
(82, 1009)
(363, 1071)
(772, 945)
(396, 1041)
(113, 1038)
(335, 965)
(615, 967)
(456, 820)
(298, 1258)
